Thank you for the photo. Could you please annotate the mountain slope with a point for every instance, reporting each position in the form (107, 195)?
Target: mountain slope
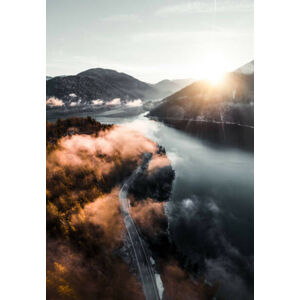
(203, 108)
(247, 68)
(101, 84)
(184, 82)
(171, 86)
(203, 101)
(167, 85)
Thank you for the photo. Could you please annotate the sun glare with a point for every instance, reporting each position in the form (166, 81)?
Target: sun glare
(215, 76)
(214, 68)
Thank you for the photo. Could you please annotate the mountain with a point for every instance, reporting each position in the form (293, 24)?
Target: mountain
(48, 77)
(171, 86)
(247, 68)
(204, 101)
(206, 109)
(183, 82)
(167, 85)
(104, 84)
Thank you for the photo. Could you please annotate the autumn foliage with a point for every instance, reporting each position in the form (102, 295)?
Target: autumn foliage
(87, 162)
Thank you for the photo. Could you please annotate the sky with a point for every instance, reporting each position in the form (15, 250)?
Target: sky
(150, 40)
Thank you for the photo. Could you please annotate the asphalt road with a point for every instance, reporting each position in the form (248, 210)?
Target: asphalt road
(141, 255)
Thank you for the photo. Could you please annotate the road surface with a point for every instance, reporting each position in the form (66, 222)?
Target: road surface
(140, 253)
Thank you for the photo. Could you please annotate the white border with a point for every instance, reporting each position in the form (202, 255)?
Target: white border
(22, 120)
(277, 150)
(22, 139)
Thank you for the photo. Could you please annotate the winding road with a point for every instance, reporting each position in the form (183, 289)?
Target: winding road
(140, 253)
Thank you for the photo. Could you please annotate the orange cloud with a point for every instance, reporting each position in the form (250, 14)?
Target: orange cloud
(158, 161)
(102, 153)
(104, 212)
(115, 101)
(148, 215)
(178, 285)
(53, 101)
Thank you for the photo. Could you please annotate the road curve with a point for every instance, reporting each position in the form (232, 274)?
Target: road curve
(140, 253)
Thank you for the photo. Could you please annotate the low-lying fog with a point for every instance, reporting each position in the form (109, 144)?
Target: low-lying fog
(211, 208)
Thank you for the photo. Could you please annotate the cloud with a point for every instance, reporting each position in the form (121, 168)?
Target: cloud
(53, 101)
(104, 212)
(149, 128)
(134, 103)
(212, 206)
(158, 161)
(196, 226)
(188, 204)
(100, 154)
(97, 102)
(178, 284)
(113, 102)
(195, 7)
(174, 157)
(149, 216)
(122, 18)
(223, 270)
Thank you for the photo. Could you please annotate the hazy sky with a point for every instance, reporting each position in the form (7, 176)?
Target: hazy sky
(148, 39)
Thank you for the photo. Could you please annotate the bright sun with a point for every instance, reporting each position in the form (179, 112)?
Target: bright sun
(215, 76)
(213, 68)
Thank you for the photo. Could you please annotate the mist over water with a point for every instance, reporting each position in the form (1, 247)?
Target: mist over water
(211, 208)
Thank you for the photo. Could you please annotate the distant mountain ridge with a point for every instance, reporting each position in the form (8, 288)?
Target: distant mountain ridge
(247, 68)
(105, 84)
(184, 82)
(172, 86)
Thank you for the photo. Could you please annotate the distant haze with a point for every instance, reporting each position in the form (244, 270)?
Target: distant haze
(150, 40)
